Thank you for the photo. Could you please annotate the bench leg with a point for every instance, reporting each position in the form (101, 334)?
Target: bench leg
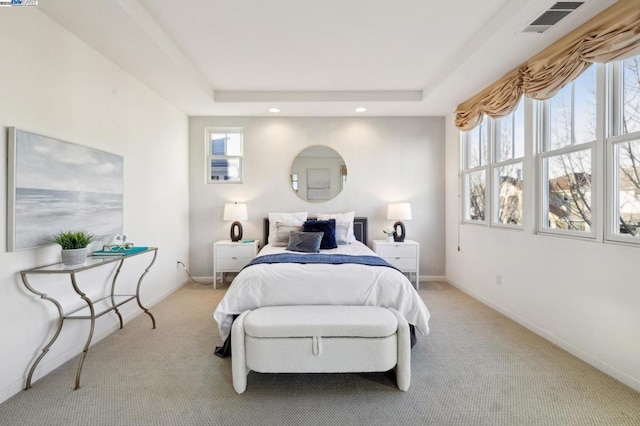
(238, 355)
(403, 368)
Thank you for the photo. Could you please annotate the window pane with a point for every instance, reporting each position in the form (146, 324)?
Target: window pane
(504, 138)
(510, 135)
(476, 188)
(518, 131)
(631, 95)
(226, 144)
(569, 191)
(560, 119)
(476, 146)
(227, 169)
(234, 144)
(572, 112)
(585, 106)
(218, 144)
(628, 187)
(509, 189)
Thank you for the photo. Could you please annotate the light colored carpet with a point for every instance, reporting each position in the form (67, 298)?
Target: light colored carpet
(475, 368)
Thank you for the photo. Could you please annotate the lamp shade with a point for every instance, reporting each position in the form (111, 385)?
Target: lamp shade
(399, 211)
(236, 212)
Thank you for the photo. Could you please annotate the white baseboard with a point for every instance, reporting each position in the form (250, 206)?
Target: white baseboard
(433, 278)
(621, 376)
(50, 364)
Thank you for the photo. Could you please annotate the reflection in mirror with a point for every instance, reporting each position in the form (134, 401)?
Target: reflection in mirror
(318, 174)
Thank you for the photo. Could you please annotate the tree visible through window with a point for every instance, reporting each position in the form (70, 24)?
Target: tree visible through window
(627, 153)
(507, 172)
(567, 156)
(475, 147)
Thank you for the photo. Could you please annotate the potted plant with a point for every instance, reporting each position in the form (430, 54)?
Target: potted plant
(74, 246)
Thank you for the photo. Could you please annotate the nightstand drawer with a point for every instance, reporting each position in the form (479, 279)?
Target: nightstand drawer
(402, 263)
(236, 250)
(229, 256)
(232, 264)
(397, 250)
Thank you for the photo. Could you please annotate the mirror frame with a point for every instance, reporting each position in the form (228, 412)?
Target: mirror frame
(326, 177)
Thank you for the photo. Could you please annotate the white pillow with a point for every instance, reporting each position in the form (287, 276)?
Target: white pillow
(283, 232)
(344, 226)
(292, 219)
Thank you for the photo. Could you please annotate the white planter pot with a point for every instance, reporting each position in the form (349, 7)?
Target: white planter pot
(74, 257)
(389, 238)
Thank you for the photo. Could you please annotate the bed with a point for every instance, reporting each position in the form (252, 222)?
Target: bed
(280, 284)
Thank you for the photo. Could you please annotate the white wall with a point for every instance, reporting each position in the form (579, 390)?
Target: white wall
(388, 160)
(581, 295)
(53, 84)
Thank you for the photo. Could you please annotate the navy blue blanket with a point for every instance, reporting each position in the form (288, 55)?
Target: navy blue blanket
(331, 259)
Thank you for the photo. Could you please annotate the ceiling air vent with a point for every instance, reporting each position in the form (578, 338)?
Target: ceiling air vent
(552, 16)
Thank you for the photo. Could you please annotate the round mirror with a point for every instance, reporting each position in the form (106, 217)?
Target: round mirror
(318, 174)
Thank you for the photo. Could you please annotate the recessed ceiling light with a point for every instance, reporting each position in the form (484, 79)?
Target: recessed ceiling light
(361, 109)
(274, 110)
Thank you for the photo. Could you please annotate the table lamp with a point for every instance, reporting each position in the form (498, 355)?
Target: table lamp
(399, 212)
(235, 212)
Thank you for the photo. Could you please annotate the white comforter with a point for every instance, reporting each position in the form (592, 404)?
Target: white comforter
(321, 284)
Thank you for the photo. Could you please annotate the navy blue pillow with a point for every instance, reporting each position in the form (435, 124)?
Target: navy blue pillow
(326, 226)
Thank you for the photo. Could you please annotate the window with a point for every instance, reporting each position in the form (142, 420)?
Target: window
(224, 155)
(507, 168)
(624, 149)
(494, 148)
(588, 160)
(474, 146)
(566, 158)
(627, 188)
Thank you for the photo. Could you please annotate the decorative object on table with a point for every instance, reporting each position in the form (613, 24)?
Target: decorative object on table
(74, 246)
(119, 250)
(389, 231)
(118, 240)
(61, 184)
(235, 212)
(119, 247)
(399, 212)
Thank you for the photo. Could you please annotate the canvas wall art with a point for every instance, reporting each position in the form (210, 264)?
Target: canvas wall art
(318, 184)
(58, 186)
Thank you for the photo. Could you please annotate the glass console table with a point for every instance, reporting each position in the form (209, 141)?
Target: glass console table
(94, 308)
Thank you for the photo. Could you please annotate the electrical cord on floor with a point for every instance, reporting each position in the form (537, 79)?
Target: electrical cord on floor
(191, 278)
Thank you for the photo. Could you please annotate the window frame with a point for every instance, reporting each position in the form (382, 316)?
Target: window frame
(490, 168)
(605, 192)
(544, 154)
(495, 165)
(466, 172)
(209, 157)
(614, 137)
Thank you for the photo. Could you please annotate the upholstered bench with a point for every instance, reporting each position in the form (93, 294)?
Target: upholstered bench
(320, 339)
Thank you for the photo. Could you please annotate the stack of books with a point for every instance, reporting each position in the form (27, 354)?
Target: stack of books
(119, 251)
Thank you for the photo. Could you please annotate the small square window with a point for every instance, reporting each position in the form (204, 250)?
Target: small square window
(224, 159)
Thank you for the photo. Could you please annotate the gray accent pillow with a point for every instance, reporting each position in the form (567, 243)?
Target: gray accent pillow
(283, 230)
(306, 242)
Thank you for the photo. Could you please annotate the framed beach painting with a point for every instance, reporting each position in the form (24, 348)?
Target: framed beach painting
(58, 186)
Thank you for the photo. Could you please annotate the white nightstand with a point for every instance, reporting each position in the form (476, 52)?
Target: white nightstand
(232, 257)
(405, 256)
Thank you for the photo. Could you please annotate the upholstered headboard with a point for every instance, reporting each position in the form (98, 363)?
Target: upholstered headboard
(359, 229)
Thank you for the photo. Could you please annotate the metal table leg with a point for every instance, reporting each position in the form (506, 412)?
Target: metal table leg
(45, 349)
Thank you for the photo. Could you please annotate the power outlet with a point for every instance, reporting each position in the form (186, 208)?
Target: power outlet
(499, 279)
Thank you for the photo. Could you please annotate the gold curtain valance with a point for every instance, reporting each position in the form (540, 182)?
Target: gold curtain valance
(614, 34)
